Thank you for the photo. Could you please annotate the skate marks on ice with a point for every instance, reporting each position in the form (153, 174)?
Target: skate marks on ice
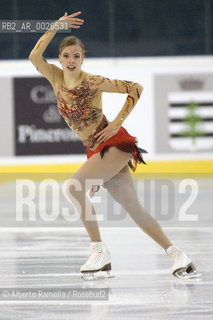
(143, 287)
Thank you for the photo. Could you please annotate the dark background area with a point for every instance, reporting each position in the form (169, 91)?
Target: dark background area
(117, 28)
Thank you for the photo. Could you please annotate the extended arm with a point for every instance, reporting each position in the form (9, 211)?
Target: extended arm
(36, 55)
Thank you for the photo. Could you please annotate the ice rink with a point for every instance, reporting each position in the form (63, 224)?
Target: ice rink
(49, 257)
(88, 87)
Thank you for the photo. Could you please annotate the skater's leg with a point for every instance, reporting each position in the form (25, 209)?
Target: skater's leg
(121, 188)
(94, 168)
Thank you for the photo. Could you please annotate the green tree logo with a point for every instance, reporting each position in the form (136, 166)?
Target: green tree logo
(192, 121)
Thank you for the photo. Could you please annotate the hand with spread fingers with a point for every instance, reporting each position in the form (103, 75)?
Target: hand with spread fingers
(107, 133)
(72, 21)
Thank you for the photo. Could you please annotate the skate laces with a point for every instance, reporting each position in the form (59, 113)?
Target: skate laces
(175, 254)
(94, 254)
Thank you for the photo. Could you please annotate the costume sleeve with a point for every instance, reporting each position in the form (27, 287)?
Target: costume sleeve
(49, 71)
(133, 90)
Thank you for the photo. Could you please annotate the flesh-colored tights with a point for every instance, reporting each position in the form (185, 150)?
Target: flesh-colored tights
(111, 169)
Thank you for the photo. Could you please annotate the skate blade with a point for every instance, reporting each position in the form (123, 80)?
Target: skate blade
(93, 276)
(189, 272)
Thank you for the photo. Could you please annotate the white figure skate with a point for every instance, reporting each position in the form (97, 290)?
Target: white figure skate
(183, 267)
(98, 266)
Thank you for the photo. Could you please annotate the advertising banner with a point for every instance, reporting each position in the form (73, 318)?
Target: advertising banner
(184, 113)
(39, 128)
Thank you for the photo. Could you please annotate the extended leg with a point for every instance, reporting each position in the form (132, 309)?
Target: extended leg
(121, 188)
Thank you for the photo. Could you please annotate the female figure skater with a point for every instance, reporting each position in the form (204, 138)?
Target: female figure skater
(110, 149)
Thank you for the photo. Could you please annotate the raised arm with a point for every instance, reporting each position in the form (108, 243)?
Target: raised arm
(36, 55)
(133, 90)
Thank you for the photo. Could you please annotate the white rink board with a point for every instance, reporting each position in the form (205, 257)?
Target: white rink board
(140, 122)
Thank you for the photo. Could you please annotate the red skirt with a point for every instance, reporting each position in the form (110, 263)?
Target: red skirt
(125, 142)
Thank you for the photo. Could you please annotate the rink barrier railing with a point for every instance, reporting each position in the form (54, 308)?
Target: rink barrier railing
(167, 168)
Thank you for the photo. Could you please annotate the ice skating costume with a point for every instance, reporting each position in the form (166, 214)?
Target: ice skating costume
(81, 108)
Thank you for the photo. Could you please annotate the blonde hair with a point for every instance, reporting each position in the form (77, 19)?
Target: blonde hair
(70, 41)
